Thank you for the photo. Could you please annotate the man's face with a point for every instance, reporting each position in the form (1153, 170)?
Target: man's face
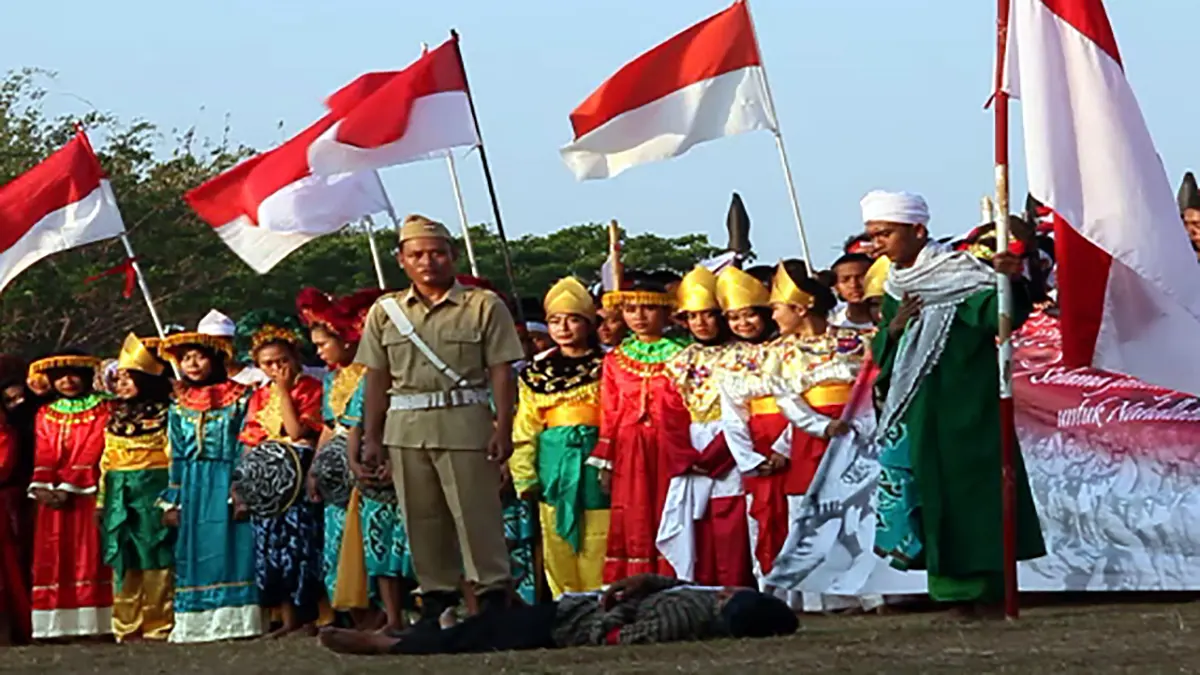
(898, 241)
(1191, 220)
(428, 261)
(849, 282)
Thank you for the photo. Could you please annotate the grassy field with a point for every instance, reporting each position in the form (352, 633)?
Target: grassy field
(1108, 638)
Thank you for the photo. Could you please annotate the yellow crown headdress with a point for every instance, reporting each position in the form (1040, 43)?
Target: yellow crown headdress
(697, 291)
(738, 290)
(73, 361)
(135, 356)
(784, 290)
(568, 296)
(876, 275)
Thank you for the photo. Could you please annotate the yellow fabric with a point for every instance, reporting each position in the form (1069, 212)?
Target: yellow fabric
(568, 296)
(567, 572)
(614, 299)
(71, 361)
(697, 291)
(738, 290)
(145, 605)
(571, 414)
(694, 373)
(834, 393)
(764, 405)
(136, 356)
(351, 591)
(784, 290)
(876, 275)
(171, 345)
(135, 453)
(533, 413)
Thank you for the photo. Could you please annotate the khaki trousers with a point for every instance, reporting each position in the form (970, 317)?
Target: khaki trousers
(450, 500)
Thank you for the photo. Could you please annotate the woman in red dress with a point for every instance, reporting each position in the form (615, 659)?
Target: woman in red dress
(14, 590)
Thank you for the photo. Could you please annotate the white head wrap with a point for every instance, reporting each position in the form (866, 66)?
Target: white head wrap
(895, 207)
(216, 324)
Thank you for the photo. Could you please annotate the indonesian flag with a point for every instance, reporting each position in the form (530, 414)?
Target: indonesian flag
(272, 204)
(398, 117)
(1129, 284)
(62, 203)
(703, 84)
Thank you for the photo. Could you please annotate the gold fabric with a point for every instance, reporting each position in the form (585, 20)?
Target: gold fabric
(145, 605)
(764, 405)
(416, 226)
(571, 414)
(171, 345)
(568, 296)
(351, 591)
(135, 453)
(697, 291)
(784, 290)
(876, 275)
(135, 356)
(566, 570)
(822, 395)
(614, 299)
(738, 290)
(534, 413)
(72, 361)
(694, 373)
(468, 328)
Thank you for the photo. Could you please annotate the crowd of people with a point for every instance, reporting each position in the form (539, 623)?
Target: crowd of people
(650, 443)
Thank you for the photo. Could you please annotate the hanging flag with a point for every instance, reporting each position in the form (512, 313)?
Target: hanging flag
(398, 117)
(272, 204)
(703, 84)
(61, 203)
(1128, 282)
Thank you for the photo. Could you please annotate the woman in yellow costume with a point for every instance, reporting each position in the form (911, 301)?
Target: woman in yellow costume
(556, 428)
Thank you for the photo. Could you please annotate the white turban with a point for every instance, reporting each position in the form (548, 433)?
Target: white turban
(895, 207)
(216, 324)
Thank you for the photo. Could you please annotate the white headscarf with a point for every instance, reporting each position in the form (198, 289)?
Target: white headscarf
(895, 207)
(217, 324)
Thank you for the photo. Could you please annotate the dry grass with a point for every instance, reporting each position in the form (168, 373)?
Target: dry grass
(1125, 637)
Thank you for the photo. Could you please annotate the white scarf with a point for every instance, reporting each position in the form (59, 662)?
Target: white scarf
(942, 278)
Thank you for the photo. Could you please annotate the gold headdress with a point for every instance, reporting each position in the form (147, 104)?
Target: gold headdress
(697, 291)
(568, 296)
(738, 290)
(135, 356)
(43, 366)
(876, 275)
(784, 290)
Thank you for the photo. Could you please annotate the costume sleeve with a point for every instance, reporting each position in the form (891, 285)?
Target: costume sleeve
(9, 450)
(501, 343)
(371, 352)
(526, 428)
(327, 414)
(735, 420)
(169, 499)
(801, 415)
(45, 454)
(602, 455)
(308, 399)
(253, 432)
(676, 432)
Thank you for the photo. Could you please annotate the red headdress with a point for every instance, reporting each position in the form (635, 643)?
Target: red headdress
(343, 316)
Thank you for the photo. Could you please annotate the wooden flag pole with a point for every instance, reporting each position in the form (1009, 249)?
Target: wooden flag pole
(1008, 434)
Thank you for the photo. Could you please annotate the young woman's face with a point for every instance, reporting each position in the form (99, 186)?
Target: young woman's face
(788, 317)
(274, 359)
(126, 386)
(69, 383)
(746, 323)
(611, 329)
(569, 330)
(645, 320)
(196, 365)
(704, 325)
(330, 348)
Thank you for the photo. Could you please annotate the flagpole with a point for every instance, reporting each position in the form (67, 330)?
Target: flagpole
(491, 185)
(141, 279)
(369, 223)
(783, 158)
(462, 213)
(1004, 350)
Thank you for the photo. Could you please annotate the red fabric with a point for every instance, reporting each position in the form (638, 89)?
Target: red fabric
(68, 571)
(614, 636)
(14, 582)
(807, 452)
(1089, 18)
(722, 550)
(306, 395)
(63, 178)
(343, 316)
(1082, 273)
(646, 424)
(768, 507)
(126, 269)
(716, 460)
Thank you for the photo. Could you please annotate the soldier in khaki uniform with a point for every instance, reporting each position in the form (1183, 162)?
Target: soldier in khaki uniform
(427, 417)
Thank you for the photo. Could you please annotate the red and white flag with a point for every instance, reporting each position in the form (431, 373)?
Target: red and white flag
(397, 117)
(272, 204)
(703, 84)
(61, 203)
(1129, 285)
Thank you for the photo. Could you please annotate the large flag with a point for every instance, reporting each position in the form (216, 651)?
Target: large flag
(1129, 285)
(399, 116)
(703, 84)
(62, 203)
(272, 204)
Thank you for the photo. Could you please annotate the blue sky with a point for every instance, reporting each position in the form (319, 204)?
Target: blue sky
(870, 94)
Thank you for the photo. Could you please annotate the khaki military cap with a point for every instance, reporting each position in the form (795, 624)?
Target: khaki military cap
(417, 226)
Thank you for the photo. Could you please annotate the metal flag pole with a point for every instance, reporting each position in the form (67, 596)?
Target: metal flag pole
(462, 213)
(491, 185)
(783, 158)
(141, 279)
(987, 209)
(1004, 351)
(369, 223)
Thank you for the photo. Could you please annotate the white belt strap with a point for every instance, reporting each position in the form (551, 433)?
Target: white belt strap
(400, 319)
(433, 400)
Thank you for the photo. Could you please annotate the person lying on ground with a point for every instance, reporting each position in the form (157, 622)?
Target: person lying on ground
(644, 609)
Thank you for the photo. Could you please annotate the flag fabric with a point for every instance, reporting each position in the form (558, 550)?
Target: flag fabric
(63, 202)
(703, 84)
(272, 204)
(1128, 282)
(389, 118)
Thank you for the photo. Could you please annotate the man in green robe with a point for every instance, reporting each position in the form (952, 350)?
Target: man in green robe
(939, 505)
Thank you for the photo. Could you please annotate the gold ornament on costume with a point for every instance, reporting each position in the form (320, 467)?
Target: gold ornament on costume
(738, 290)
(135, 356)
(271, 333)
(568, 296)
(876, 275)
(784, 290)
(42, 366)
(697, 291)
(615, 299)
(173, 344)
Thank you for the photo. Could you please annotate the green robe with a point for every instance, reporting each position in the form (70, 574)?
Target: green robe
(940, 490)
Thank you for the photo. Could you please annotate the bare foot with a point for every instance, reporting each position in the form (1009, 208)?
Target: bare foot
(391, 628)
(345, 641)
(283, 631)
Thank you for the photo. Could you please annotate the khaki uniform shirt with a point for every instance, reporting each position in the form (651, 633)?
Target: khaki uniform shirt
(470, 329)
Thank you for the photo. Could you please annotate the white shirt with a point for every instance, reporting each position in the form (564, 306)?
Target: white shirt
(840, 317)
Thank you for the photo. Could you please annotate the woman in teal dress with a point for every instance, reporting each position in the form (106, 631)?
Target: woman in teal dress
(215, 594)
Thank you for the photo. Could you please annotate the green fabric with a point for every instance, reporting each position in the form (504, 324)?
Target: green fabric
(568, 484)
(71, 406)
(659, 351)
(982, 588)
(134, 537)
(946, 449)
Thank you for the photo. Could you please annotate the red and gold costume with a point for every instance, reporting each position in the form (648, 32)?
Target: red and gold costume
(14, 590)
